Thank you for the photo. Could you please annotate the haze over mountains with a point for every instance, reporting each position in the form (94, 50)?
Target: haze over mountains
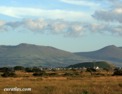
(46, 56)
(110, 53)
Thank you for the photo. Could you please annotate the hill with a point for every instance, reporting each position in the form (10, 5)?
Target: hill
(34, 55)
(110, 53)
(100, 64)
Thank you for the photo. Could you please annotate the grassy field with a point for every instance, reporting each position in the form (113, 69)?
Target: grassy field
(62, 84)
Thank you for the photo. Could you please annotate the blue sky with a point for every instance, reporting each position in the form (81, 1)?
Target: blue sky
(71, 25)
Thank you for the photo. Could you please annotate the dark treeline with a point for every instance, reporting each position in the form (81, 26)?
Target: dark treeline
(40, 71)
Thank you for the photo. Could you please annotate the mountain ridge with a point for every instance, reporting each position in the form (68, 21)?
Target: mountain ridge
(109, 53)
(36, 55)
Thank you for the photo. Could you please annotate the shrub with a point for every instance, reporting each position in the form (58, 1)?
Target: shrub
(85, 92)
(36, 69)
(3, 69)
(19, 68)
(28, 69)
(90, 70)
(8, 74)
(41, 73)
(117, 71)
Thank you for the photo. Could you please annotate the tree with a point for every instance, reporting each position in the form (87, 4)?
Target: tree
(8, 72)
(117, 71)
(19, 68)
(28, 69)
(91, 70)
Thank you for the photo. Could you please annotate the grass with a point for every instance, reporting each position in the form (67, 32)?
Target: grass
(62, 84)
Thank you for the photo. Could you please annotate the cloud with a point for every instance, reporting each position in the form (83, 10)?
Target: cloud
(65, 28)
(81, 3)
(19, 12)
(44, 26)
(115, 3)
(113, 14)
(106, 28)
(2, 23)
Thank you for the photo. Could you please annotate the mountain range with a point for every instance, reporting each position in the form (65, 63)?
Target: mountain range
(34, 55)
(109, 53)
(46, 56)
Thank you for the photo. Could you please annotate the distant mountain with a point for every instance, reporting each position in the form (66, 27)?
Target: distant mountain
(34, 55)
(100, 64)
(120, 47)
(110, 53)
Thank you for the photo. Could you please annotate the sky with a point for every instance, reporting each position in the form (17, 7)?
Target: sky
(71, 25)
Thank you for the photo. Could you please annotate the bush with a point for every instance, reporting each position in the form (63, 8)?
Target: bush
(117, 71)
(19, 68)
(28, 69)
(3, 69)
(8, 74)
(85, 92)
(91, 70)
(41, 73)
(34, 69)
(68, 74)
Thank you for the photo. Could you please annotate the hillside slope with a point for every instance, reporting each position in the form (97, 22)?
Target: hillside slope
(109, 53)
(34, 55)
(100, 64)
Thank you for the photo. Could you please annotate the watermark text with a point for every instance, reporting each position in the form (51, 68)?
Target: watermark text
(17, 89)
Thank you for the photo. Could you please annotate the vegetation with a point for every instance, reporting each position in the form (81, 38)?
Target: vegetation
(41, 73)
(60, 81)
(100, 64)
(64, 85)
(118, 71)
(19, 68)
(8, 72)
